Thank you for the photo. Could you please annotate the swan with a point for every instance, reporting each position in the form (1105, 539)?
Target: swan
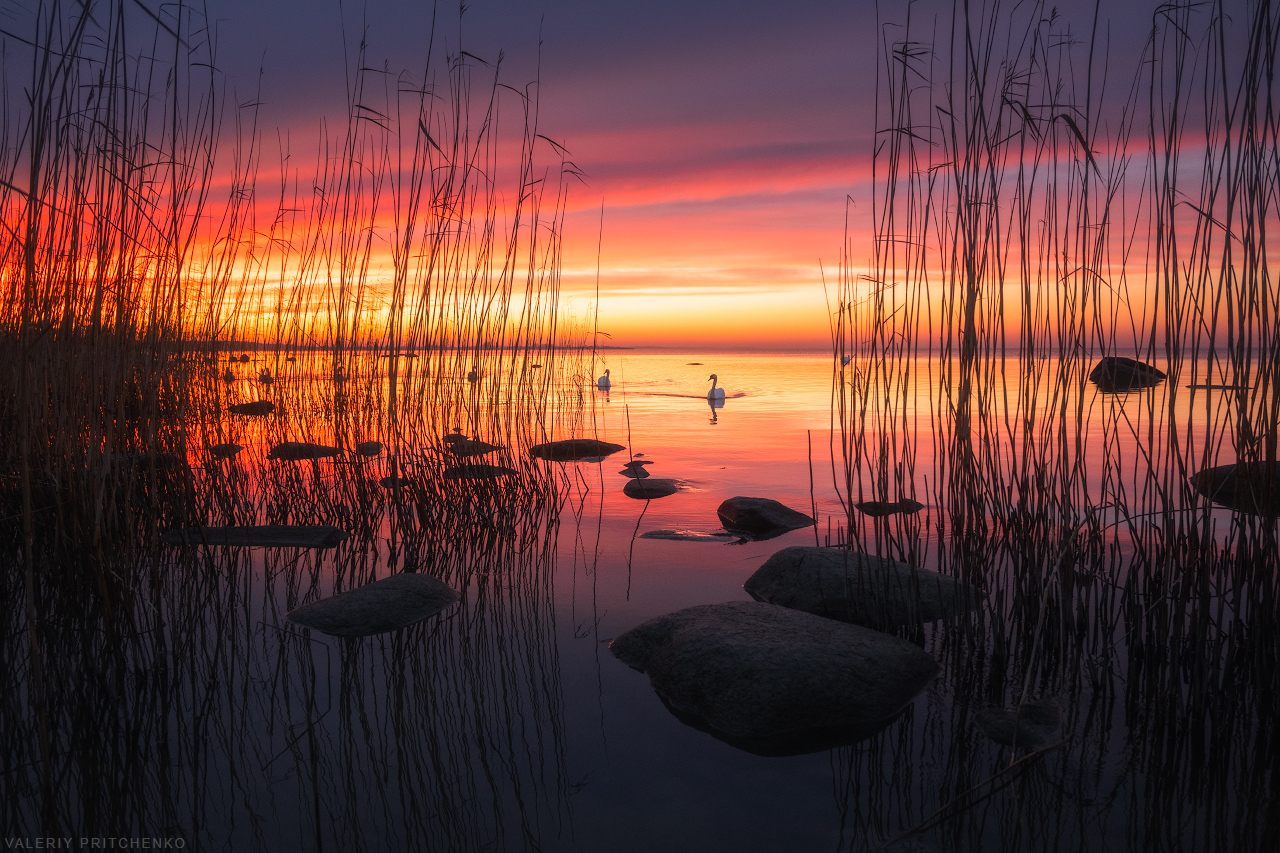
(715, 393)
(228, 376)
(603, 382)
(472, 376)
(265, 377)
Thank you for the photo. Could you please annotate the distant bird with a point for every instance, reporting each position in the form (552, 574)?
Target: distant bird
(844, 360)
(715, 393)
(228, 376)
(472, 376)
(265, 377)
(603, 382)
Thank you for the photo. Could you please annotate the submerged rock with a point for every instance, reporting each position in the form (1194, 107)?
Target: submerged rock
(858, 588)
(880, 509)
(1032, 725)
(760, 516)
(259, 536)
(688, 536)
(224, 451)
(460, 446)
(754, 672)
(636, 473)
(1117, 373)
(570, 449)
(258, 407)
(292, 451)
(369, 448)
(651, 489)
(477, 472)
(385, 605)
(1251, 487)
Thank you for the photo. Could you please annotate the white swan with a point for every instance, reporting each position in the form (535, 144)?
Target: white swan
(603, 382)
(715, 393)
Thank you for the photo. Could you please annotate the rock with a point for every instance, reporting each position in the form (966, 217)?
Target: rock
(687, 536)
(754, 672)
(259, 408)
(1117, 373)
(385, 605)
(391, 482)
(292, 451)
(1251, 487)
(224, 451)
(647, 490)
(637, 463)
(260, 536)
(760, 516)
(1033, 725)
(477, 472)
(634, 473)
(460, 446)
(858, 588)
(879, 509)
(369, 448)
(570, 449)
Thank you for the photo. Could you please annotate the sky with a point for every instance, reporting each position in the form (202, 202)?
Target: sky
(723, 145)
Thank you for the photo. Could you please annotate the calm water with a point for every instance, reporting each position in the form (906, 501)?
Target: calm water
(506, 724)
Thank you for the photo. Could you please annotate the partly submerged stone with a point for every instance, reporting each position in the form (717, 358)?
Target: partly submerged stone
(477, 471)
(1250, 487)
(369, 448)
(636, 473)
(293, 451)
(570, 449)
(224, 451)
(1118, 373)
(1031, 725)
(259, 536)
(460, 445)
(765, 676)
(689, 535)
(858, 588)
(760, 516)
(650, 489)
(880, 509)
(258, 407)
(385, 605)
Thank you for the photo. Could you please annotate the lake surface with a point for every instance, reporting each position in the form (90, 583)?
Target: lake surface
(506, 723)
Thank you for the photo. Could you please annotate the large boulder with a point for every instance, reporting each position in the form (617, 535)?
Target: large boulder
(767, 677)
(385, 605)
(1251, 487)
(1117, 373)
(570, 449)
(858, 588)
(760, 517)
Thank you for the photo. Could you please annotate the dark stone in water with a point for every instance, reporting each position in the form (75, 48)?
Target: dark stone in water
(637, 463)
(224, 451)
(652, 489)
(1033, 725)
(687, 535)
(1117, 373)
(760, 516)
(755, 672)
(460, 446)
(636, 473)
(570, 449)
(369, 448)
(244, 359)
(392, 481)
(1252, 487)
(858, 588)
(880, 509)
(477, 472)
(259, 536)
(259, 407)
(386, 605)
(292, 451)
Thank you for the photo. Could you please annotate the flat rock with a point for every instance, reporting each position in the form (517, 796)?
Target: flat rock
(460, 446)
(295, 450)
(880, 509)
(570, 449)
(477, 471)
(688, 536)
(385, 605)
(760, 516)
(224, 451)
(1252, 487)
(651, 489)
(1117, 373)
(757, 672)
(1032, 725)
(259, 536)
(369, 448)
(636, 473)
(259, 408)
(858, 588)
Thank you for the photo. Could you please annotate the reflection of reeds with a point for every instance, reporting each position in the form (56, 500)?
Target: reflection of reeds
(1020, 236)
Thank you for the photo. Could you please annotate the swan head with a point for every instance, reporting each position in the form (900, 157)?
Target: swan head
(712, 378)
